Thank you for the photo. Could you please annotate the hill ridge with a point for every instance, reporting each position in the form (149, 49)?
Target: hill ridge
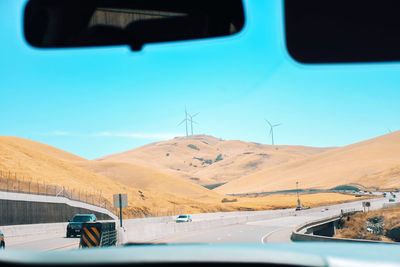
(344, 165)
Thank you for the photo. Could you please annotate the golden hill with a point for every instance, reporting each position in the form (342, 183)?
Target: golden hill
(372, 163)
(134, 175)
(150, 192)
(208, 160)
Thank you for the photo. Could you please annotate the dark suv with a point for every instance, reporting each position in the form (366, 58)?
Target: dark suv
(75, 225)
(2, 242)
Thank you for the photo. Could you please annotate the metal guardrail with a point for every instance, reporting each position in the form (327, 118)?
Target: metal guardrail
(109, 235)
(98, 234)
(390, 205)
(346, 212)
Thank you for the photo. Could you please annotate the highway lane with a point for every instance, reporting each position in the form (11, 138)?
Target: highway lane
(271, 230)
(277, 229)
(42, 243)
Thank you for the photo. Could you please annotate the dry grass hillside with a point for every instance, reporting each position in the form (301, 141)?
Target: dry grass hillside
(150, 191)
(208, 160)
(45, 164)
(283, 201)
(372, 163)
(357, 226)
(134, 175)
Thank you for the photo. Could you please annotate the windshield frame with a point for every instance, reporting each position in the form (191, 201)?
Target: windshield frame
(88, 218)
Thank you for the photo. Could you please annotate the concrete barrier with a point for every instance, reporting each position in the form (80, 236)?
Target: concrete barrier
(33, 229)
(318, 238)
(306, 228)
(304, 233)
(17, 234)
(98, 234)
(20, 208)
(147, 229)
(145, 232)
(151, 229)
(28, 217)
(391, 205)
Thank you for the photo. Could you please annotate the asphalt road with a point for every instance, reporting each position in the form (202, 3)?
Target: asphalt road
(43, 243)
(276, 229)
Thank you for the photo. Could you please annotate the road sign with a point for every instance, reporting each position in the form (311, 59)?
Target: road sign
(98, 235)
(120, 202)
(366, 204)
(90, 235)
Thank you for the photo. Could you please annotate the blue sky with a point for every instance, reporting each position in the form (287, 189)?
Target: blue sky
(94, 102)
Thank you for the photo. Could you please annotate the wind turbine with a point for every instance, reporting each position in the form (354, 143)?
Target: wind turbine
(271, 132)
(192, 121)
(185, 120)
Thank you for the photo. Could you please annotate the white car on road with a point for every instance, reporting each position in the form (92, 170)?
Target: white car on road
(183, 218)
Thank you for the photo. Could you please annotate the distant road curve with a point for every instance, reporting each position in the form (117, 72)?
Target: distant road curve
(277, 229)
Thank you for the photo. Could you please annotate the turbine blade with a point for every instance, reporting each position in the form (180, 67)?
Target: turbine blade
(277, 125)
(270, 125)
(181, 122)
(192, 116)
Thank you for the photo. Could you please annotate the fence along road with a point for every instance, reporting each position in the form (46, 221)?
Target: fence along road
(13, 182)
(27, 194)
(45, 236)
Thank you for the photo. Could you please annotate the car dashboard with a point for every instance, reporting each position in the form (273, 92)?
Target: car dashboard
(197, 255)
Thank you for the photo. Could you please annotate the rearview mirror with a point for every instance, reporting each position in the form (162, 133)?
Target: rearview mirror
(76, 23)
(342, 31)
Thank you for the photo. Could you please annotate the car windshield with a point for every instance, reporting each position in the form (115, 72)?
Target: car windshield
(219, 124)
(82, 218)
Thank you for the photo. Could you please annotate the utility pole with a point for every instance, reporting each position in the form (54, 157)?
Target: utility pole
(120, 201)
(297, 192)
(120, 209)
